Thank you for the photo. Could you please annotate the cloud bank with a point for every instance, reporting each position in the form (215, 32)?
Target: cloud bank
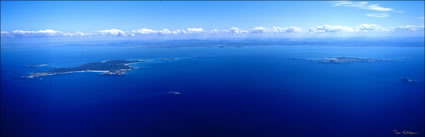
(232, 32)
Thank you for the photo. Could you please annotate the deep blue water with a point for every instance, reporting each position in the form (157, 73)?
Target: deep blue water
(247, 91)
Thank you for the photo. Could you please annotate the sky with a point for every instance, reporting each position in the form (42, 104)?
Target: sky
(152, 19)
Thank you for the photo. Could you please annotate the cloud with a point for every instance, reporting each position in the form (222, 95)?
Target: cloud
(46, 32)
(75, 34)
(273, 31)
(376, 7)
(235, 30)
(378, 15)
(42, 33)
(165, 31)
(144, 31)
(215, 31)
(232, 31)
(342, 3)
(370, 28)
(409, 28)
(113, 32)
(195, 30)
(188, 31)
(421, 18)
(362, 5)
(258, 30)
(179, 31)
(348, 29)
(288, 29)
(328, 28)
(4, 32)
(382, 11)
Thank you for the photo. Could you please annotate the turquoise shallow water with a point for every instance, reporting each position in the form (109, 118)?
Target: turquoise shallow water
(230, 91)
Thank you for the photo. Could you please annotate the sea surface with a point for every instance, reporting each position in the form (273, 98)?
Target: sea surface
(259, 91)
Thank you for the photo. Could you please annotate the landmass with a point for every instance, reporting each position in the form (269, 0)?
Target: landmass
(112, 67)
(408, 80)
(169, 58)
(174, 93)
(337, 60)
(350, 59)
(36, 66)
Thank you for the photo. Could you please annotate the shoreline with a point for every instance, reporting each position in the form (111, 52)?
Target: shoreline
(122, 69)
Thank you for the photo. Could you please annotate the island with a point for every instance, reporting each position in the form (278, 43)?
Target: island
(168, 58)
(338, 60)
(36, 66)
(350, 59)
(407, 80)
(111, 67)
(174, 93)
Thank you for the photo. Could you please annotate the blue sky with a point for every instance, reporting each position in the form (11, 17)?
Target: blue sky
(124, 17)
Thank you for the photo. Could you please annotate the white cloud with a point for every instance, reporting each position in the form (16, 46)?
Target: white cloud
(231, 32)
(43, 33)
(421, 18)
(370, 28)
(366, 6)
(328, 28)
(275, 29)
(376, 7)
(378, 15)
(194, 30)
(179, 31)
(342, 3)
(165, 31)
(409, 28)
(46, 32)
(287, 30)
(235, 30)
(144, 31)
(362, 5)
(113, 32)
(258, 30)
(75, 34)
(215, 31)
(348, 29)
(4, 32)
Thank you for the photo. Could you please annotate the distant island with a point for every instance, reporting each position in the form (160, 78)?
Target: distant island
(337, 60)
(408, 80)
(350, 59)
(174, 93)
(36, 66)
(112, 67)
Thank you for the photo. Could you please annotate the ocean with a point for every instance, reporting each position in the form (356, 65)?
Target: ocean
(234, 91)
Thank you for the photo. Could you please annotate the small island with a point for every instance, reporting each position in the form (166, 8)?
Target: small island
(338, 60)
(350, 59)
(168, 58)
(112, 67)
(174, 93)
(407, 80)
(36, 66)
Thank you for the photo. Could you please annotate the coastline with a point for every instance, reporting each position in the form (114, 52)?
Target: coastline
(124, 68)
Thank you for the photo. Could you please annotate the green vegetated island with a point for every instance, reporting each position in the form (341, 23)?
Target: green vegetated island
(111, 67)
